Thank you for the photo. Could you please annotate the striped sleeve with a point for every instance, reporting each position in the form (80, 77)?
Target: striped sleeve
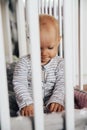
(20, 82)
(58, 92)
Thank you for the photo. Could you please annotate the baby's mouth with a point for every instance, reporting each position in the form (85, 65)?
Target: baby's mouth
(45, 60)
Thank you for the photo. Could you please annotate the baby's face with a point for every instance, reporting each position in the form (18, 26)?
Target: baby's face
(49, 45)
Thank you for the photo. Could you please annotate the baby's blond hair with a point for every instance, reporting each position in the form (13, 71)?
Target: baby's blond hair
(47, 21)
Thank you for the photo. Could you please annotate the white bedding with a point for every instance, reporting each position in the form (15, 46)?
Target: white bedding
(54, 121)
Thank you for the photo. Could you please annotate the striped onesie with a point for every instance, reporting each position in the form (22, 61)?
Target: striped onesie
(52, 82)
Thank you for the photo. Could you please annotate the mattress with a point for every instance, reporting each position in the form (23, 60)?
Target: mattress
(54, 121)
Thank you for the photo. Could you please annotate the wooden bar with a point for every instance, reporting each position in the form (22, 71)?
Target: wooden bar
(39, 5)
(46, 6)
(33, 19)
(4, 107)
(68, 41)
(7, 31)
(54, 8)
(60, 25)
(75, 41)
(80, 31)
(21, 28)
(42, 6)
(50, 7)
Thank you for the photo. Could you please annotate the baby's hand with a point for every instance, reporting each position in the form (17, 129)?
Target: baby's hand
(27, 110)
(55, 107)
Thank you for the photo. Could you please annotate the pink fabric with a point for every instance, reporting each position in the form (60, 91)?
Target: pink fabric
(80, 98)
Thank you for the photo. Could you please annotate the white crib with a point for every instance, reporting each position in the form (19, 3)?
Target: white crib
(67, 12)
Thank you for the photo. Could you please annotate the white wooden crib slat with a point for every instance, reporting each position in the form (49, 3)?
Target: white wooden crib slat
(68, 41)
(42, 6)
(33, 19)
(55, 3)
(4, 108)
(7, 31)
(21, 28)
(75, 40)
(50, 7)
(39, 6)
(81, 41)
(46, 6)
(60, 25)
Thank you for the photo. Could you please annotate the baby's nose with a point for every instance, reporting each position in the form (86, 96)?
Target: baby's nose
(43, 51)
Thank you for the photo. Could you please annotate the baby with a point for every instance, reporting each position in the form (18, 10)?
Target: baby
(52, 72)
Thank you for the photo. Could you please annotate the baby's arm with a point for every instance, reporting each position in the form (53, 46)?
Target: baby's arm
(56, 101)
(20, 81)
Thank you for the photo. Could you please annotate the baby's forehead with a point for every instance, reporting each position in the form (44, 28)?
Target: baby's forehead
(47, 23)
(47, 27)
(47, 18)
(49, 31)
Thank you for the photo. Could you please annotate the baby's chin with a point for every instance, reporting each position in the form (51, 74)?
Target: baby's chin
(44, 63)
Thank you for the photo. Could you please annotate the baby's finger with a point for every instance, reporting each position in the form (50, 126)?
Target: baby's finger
(59, 108)
(52, 107)
(27, 113)
(62, 108)
(31, 113)
(55, 107)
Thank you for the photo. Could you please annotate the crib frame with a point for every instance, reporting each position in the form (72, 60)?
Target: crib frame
(68, 54)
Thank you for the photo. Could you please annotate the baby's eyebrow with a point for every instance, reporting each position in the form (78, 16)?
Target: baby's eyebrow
(51, 46)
